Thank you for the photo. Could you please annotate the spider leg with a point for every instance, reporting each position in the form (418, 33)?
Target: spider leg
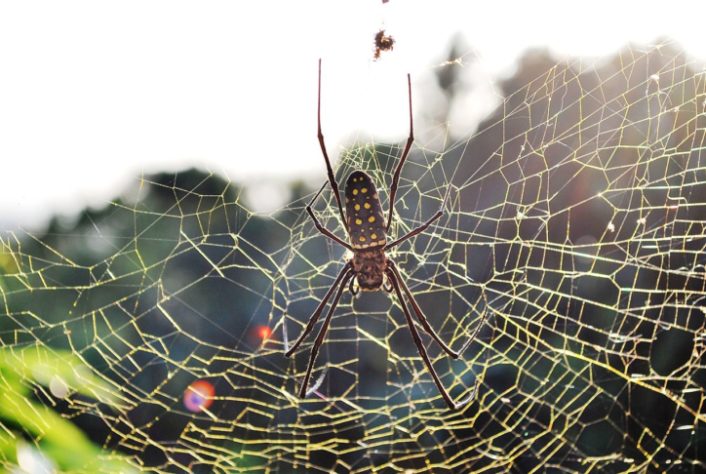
(403, 158)
(416, 231)
(425, 357)
(320, 226)
(315, 316)
(322, 334)
(352, 288)
(329, 170)
(422, 319)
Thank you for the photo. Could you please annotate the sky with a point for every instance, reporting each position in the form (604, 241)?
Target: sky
(94, 95)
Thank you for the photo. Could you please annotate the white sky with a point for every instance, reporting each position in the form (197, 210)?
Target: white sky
(92, 94)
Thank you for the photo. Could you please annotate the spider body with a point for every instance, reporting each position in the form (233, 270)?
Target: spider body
(370, 266)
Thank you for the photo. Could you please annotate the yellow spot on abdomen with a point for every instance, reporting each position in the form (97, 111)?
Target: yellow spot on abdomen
(366, 205)
(355, 192)
(358, 221)
(371, 219)
(373, 236)
(364, 190)
(361, 238)
(357, 207)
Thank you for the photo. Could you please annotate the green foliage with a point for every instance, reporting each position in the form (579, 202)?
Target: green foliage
(27, 426)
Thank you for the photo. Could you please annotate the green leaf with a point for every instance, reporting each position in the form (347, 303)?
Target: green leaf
(57, 438)
(60, 371)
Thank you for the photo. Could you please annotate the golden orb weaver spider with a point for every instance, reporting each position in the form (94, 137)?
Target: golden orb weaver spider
(370, 266)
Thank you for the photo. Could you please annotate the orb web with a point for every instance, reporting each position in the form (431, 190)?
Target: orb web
(572, 239)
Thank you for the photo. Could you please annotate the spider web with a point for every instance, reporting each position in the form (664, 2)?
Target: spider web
(572, 239)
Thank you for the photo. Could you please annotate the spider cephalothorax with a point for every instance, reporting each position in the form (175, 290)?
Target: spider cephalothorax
(369, 267)
(367, 230)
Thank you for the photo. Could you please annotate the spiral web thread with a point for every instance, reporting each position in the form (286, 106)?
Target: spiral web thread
(573, 238)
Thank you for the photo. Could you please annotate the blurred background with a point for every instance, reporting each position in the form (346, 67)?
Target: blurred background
(95, 95)
(156, 259)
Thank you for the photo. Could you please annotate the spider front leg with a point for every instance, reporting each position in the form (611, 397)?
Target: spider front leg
(403, 158)
(329, 169)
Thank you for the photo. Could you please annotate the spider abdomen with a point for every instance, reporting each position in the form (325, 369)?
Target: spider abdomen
(364, 218)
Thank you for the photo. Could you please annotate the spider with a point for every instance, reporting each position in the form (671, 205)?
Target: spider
(370, 265)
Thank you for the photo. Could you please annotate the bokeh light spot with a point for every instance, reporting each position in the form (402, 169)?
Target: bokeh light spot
(264, 332)
(199, 396)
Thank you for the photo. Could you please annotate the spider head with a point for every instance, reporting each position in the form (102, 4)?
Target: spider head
(369, 280)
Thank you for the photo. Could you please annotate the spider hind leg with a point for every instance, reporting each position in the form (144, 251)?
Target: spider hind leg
(315, 316)
(322, 335)
(422, 351)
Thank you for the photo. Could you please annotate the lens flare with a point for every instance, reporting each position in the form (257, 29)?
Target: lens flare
(199, 396)
(264, 332)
